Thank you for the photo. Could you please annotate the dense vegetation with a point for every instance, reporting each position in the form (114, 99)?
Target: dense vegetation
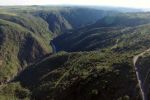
(20, 46)
(25, 34)
(123, 32)
(84, 75)
(96, 64)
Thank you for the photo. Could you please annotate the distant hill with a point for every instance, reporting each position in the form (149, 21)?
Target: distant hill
(70, 18)
(122, 31)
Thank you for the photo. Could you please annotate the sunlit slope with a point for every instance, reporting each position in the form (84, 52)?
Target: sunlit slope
(19, 46)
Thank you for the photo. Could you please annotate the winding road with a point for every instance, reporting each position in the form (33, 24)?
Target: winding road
(141, 85)
(53, 48)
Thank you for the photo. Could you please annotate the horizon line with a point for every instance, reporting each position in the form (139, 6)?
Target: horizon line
(78, 5)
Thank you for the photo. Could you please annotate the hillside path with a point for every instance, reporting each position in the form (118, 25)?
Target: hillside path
(135, 59)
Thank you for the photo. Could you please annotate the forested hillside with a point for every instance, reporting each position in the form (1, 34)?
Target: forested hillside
(123, 31)
(26, 33)
(73, 53)
(95, 75)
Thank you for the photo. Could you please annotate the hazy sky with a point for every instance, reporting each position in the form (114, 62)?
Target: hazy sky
(123, 3)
